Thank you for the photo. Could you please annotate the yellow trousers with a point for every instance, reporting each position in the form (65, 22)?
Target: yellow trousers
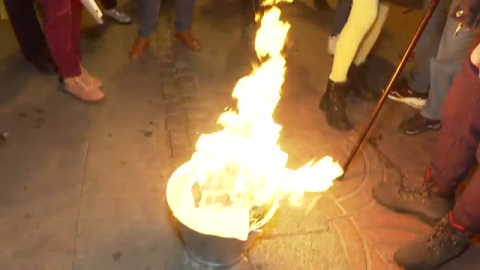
(358, 36)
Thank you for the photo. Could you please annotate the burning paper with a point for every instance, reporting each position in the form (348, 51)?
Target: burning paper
(237, 175)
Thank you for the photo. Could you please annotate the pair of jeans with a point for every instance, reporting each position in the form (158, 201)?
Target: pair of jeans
(439, 57)
(149, 10)
(443, 68)
(457, 149)
(62, 20)
(26, 27)
(341, 16)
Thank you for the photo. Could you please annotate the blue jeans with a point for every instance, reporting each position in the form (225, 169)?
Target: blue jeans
(149, 10)
(438, 58)
(341, 16)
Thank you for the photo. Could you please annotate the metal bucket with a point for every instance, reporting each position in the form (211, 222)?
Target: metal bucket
(209, 250)
(213, 251)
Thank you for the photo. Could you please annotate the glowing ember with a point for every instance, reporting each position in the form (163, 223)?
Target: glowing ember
(237, 175)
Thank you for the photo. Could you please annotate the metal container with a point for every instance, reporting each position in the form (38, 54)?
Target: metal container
(213, 251)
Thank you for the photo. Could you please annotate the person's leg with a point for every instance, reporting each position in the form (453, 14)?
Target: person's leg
(457, 142)
(333, 101)
(453, 157)
(459, 150)
(183, 24)
(451, 53)
(341, 16)
(427, 47)
(355, 77)
(362, 17)
(149, 10)
(109, 4)
(29, 34)
(443, 69)
(76, 21)
(60, 17)
(372, 35)
(57, 16)
(26, 27)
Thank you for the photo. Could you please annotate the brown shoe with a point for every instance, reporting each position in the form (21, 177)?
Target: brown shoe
(139, 47)
(83, 89)
(187, 39)
(96, 82)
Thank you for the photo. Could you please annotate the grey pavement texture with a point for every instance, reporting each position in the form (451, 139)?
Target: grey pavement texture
(83, 186)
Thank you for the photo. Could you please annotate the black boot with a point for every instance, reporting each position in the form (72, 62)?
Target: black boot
(442, 245)
(358, 85)
(423, 202)
(333, 103)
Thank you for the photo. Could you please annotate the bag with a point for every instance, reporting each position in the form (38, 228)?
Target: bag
(93, 9)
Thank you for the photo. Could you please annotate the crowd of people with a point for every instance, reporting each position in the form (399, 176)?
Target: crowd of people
(443, 84)
(55, 48)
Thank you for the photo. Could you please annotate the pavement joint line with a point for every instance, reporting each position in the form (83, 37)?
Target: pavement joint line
(274, 236)
(81, 200)
(364, 239)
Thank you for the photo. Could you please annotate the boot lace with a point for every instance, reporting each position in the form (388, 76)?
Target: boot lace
(423, 193)
(445, 236)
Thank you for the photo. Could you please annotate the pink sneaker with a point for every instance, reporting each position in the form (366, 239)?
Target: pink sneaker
(83, 89)
(94, 80)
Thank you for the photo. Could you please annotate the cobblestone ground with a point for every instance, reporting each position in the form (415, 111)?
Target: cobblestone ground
(101, 204)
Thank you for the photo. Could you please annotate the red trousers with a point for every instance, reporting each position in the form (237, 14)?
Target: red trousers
(62, 19)
(458, 146)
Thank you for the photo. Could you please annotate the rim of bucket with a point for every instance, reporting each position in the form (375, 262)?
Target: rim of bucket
(185, 168)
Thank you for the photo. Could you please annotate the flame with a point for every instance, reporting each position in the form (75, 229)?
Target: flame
(241, 166)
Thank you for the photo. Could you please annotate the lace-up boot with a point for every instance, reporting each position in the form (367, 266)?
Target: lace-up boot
(423, 202)
(446, 241)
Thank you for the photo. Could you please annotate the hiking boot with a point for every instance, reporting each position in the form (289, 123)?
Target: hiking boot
(424, 203)
(357, 84)
(401, 92)
(418, 124)
(118, 16)
(443, 244)
(333, 103)
(81, 88)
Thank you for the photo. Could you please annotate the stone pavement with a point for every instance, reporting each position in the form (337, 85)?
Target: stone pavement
(82, 187)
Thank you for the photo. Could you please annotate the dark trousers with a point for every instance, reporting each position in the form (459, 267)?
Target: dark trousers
(341, 16)
(457, 149)
(109, 4)
(62, 19)
(26, 27)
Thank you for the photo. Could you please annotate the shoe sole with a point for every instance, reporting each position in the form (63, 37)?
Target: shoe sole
(117, 21)
(423, 218)
(412, 102)
(416, 132)
(63, 90)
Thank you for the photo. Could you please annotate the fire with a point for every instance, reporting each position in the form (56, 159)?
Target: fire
(237, 175)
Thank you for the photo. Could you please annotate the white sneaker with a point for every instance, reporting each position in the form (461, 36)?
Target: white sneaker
(332, 44)
(118, 16)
